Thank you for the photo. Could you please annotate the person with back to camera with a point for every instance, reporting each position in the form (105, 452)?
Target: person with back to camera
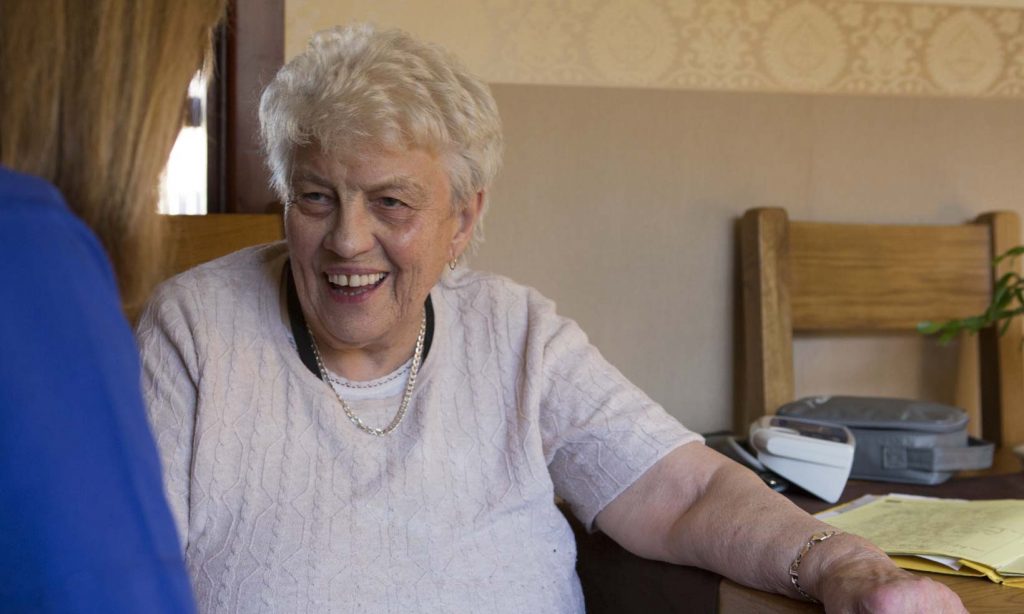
(91, 98)
(352, 420)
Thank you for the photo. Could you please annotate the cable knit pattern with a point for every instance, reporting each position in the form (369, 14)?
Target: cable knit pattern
(284, 506)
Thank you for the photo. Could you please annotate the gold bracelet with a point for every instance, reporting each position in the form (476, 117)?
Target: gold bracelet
(794, 567)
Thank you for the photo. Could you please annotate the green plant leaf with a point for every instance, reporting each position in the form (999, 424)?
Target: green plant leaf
(1019, 293)
(1013, 252)
(1002, 296)
(948, 336)
(1007, 290)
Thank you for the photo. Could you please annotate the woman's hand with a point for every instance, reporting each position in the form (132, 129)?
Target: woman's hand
(859, 578)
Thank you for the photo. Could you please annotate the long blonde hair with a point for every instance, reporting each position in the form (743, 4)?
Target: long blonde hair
(92, 94)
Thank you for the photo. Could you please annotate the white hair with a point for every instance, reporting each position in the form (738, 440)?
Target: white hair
(357, 86)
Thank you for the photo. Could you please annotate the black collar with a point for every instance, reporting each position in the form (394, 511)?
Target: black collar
(300, 332)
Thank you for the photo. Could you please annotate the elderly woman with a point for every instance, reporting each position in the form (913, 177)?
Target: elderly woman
(353, 421)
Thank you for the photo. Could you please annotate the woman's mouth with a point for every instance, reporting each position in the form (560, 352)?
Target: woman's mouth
(353, 285)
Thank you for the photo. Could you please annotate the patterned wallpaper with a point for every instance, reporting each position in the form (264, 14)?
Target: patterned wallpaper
(816, 46)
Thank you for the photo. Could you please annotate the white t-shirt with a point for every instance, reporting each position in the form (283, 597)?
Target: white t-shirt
(285, 506)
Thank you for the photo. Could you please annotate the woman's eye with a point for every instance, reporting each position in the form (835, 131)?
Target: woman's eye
(390, 203)
(314, 203)
(315, 198)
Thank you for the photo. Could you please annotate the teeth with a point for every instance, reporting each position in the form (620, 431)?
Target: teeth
(355, 281)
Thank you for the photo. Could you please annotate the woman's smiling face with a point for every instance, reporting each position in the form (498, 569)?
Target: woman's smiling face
(369, 236)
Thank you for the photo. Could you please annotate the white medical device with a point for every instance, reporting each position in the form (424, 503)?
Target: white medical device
(816, 456)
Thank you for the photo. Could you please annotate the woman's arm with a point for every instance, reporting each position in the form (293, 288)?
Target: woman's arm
(696, 507)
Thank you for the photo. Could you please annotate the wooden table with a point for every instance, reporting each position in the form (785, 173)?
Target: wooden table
(978, 594)
(1003, 481)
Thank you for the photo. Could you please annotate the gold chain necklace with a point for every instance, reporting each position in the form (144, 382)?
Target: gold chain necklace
(417, 357)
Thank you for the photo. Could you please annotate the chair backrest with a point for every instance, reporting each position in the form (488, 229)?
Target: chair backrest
(805, 276)
(195, 239)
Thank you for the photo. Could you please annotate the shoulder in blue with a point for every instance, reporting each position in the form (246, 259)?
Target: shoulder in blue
(84, 526)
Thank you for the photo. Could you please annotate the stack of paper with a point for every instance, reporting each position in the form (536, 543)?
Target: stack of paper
(952, 536)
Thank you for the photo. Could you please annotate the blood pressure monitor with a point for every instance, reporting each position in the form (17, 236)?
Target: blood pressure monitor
(816, 456)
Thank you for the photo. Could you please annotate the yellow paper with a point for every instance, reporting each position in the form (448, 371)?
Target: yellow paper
(1015, 568)
(919, 564)
(986, 571)
(990, 533)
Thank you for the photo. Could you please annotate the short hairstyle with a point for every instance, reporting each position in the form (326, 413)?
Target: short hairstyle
(357, 86)
(91, 99)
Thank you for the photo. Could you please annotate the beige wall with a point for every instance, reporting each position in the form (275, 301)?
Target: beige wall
(826, 46)
(620, 202)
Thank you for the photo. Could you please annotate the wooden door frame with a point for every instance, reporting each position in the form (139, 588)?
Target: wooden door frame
(248, 51)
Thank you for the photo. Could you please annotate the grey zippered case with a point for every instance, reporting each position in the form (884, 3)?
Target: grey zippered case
(900, 440)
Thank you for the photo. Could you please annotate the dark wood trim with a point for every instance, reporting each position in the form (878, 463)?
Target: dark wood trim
(249, 50)
(216, 128)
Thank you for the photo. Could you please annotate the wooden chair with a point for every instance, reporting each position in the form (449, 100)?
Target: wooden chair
(816, 277)
(195, 239)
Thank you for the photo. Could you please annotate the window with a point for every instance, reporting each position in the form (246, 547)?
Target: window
(183, 184)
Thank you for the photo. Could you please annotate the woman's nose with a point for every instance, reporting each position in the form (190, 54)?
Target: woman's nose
(353, 229)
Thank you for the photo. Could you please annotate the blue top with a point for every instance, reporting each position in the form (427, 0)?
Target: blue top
(84, 526)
